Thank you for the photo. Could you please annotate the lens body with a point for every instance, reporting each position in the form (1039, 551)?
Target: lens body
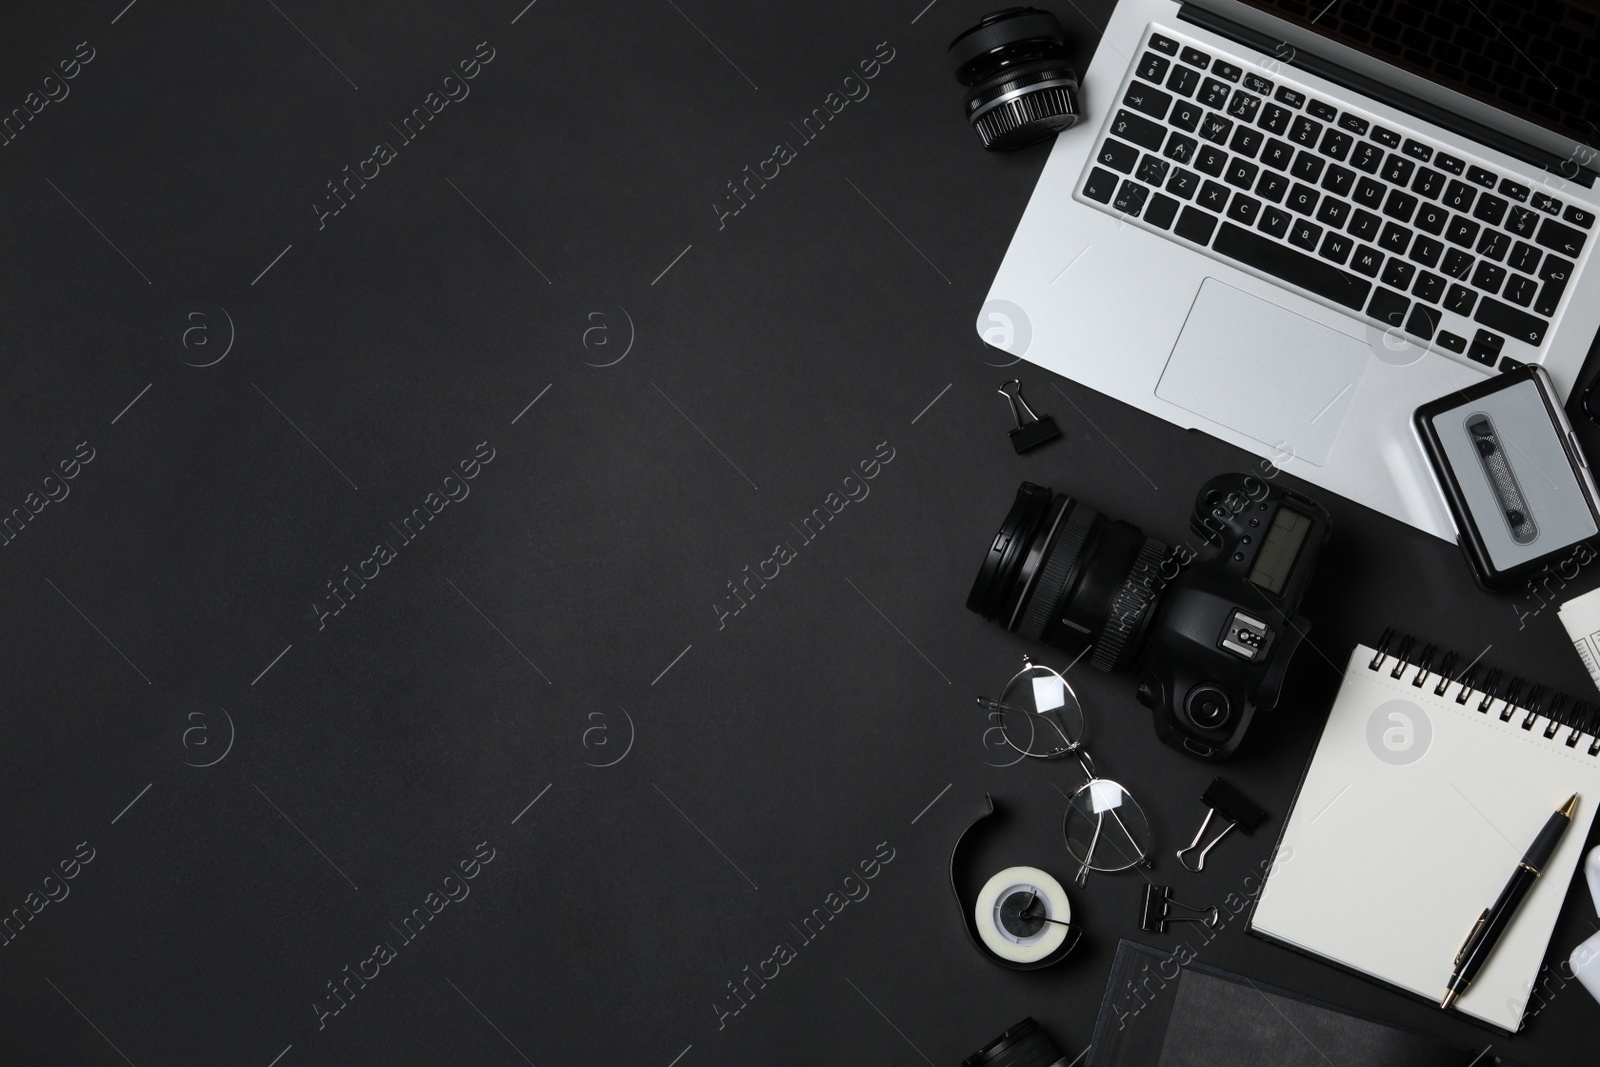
(1060, 572)
(1023, 1045)
(1020, 86)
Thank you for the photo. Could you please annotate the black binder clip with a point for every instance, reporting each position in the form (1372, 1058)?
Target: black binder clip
(1157, 911)
(1031, 431)
(1221, 798)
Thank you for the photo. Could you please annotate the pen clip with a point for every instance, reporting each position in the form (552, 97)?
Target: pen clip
(1472, 934)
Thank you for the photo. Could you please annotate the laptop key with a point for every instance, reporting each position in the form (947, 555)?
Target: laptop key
(1417, 150)
(1130, 197)
(1558, 238)
(1369, 193)
(1426, 250)
(1333, 212)
(1152, 171)
(1275, 221)
(1180, 148)
(1429, 287)
(1486, 348)
(1307, 167)
(1388, 306)
(1451, 342)
(1322, 110)
(1367, 260)
(1365, 225)
(1422, 321)
(1488, 277)
(1196, 57)
(1490, 209)
(1354, 123)
(1186, 116)
(1578, 217)
(1479, 176)
(1305, 132)
(1514, 190)
(1288, 96)
(1428, 183)
(1277, 154)
(1520, 290)
(1431, 218)
(1522, 222)
(1215, 128)
(1152, 67)
(1257, 84)
(1336, 246)
(1244, 209)
(1546, 203)
(1195, 225)
(1459, 195)
(1182, 80)
(1274, 119)
(1450, 163)
(1493, 245)
(1457, 264)
(1163, 44)
(1138, 129)
(1287, 265)
(1211, 160)
(1461, 231)
(1395, 237)
(1303, 199)
(1555, 274)
(1100, 185)
(1183, 183)
(1460, 299)
(1335, 144)
(1213, 93)
(1241, 173)
(1400, 205)
(1213, 196)
(1118, 156)
(1367, 157)
(1271, 186)
(1513, 322)
(1339, 180)
(1397, 169)
(1147, 99)
(1385, 137)
(1398, 273)
(1524, 257)
(1243, 106)
(1226, 70)
(1161, 211)
(1246, 141)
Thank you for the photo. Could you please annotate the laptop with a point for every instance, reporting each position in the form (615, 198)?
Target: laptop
(1290, 224)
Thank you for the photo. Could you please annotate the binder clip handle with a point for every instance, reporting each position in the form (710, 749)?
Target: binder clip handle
(1156, 912)
(1223, 799)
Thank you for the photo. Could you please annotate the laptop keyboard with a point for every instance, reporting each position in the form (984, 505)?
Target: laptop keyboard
(1357, 213)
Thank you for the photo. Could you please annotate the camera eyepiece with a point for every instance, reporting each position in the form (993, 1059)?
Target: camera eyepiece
(1208, 706)
(1060, 572)
(1020, 86)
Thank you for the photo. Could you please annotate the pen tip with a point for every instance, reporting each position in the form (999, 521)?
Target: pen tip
(1571, 806)
(1449, 999)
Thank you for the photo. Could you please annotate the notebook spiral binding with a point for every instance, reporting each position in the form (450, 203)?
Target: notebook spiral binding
(1578, 717)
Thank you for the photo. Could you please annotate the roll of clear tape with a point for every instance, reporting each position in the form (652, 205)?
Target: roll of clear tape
(1011, 910)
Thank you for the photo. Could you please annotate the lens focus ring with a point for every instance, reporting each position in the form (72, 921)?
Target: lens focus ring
(1059, 565)
(1133, 600)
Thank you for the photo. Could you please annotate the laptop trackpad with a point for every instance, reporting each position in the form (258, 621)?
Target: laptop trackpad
(1263, 371)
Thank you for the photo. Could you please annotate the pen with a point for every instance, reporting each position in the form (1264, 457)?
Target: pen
(1492, 923)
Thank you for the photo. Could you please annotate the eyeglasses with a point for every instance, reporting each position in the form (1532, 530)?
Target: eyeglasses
(1038, 716)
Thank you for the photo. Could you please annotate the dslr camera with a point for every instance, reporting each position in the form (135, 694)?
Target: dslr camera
(1211, 633)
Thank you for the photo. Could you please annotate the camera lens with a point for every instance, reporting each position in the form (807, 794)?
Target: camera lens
(1023, 1045)
(1208, 707)
(1020, 88)
(1060, 572)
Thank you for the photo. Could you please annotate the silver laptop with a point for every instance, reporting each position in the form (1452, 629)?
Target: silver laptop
(1289, 225)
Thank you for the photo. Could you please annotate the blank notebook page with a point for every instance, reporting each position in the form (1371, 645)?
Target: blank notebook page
(1410, 819)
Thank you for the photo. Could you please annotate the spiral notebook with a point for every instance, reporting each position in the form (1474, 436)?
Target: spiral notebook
(1428, 785)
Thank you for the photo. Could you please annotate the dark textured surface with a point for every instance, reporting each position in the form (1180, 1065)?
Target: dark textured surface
(174, 600)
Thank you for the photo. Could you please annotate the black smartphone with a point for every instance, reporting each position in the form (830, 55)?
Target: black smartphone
(1517, 483)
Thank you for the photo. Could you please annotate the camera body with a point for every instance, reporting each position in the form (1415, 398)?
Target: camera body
(1228, 625)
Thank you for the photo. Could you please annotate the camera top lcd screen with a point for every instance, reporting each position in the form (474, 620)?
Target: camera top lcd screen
(1280, 549)
(1505, 453)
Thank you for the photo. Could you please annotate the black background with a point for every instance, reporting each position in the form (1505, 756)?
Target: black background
(507, 650)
